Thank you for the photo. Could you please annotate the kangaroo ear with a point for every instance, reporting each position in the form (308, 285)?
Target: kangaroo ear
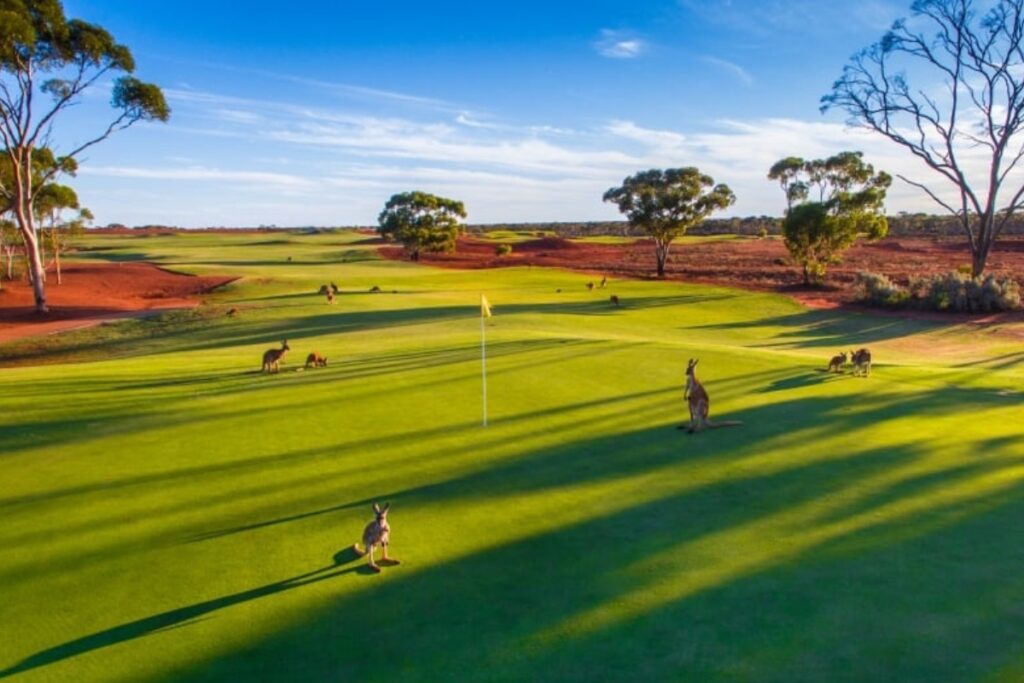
(695, 362)
(376, 508)
(387, 506)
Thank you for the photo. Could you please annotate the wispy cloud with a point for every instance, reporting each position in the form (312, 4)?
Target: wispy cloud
(735, 69)
(346, 165)
(646, 136)
(200, 174)
(619, 45)
(347, 90)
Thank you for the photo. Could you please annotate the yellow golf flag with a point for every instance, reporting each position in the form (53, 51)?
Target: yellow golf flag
(485, 307)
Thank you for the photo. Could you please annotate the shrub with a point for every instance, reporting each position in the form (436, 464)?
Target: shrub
(878, 290)
(763, 233)
(503, 249)
(955, 292)
(962, 293)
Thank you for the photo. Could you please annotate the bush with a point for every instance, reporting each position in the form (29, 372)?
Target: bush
(963, 294)
(878, 290)
(763, 233)
(503, 249)
(955, 292)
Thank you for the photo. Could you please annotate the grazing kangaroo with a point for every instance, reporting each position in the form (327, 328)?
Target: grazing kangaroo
(378, 532)
(837, 363)
(861, 360)
(375, 290)
(699, 403)
(315, 360)
(590, 286)
(272, 357)
(614, 299)
(232, 312)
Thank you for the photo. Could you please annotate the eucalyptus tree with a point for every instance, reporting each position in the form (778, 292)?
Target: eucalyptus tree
(422, 222)
(850, 204)
(52, 204)
(963, 116)
(665, 204)
(47, 63)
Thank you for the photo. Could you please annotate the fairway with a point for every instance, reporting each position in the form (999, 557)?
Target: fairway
(170, 513)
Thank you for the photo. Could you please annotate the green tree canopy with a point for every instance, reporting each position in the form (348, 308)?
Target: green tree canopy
(422, 222)
(47, 62)
(665, 204)
(850, 205)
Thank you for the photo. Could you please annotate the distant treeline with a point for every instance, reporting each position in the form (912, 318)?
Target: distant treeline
(901, 225)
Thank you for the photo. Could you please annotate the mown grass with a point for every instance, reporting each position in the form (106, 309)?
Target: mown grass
(172, 514)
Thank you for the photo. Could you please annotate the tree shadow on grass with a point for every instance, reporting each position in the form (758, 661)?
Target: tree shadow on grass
(163, 332)
(831, 329)
(120, 411)
(471, 627)
(484, 611)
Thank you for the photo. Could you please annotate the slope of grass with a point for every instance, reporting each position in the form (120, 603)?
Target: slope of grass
(171, 514)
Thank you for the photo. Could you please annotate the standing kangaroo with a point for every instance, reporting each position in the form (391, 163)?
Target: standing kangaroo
(861, 360)
(837, 363)
(699, 403)
(378, 532)
(272, 357)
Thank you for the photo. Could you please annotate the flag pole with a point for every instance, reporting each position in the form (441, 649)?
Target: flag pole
(483, 360)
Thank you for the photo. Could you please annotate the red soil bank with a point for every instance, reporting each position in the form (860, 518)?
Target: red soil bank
(92, 293)
(747, 263)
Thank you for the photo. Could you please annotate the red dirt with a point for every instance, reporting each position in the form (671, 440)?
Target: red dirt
(93, 293)
(748, 263)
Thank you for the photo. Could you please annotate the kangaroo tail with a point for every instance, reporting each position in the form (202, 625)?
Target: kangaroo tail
(724, 423)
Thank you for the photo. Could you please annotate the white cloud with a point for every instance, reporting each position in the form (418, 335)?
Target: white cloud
(647, 136)
(619, 45)
(341, 166)
(200, 174)
(735, 69)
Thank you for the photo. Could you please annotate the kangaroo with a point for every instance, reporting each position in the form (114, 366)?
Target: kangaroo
(590, 286)
(699, 403)
(378, 532)
(323, 289)
(604, 282)
(315, 360)
(614, 299)
(837, 363)
(861, 360)
(272, 357)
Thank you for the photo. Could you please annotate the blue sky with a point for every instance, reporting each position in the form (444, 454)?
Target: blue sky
(526, 111)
